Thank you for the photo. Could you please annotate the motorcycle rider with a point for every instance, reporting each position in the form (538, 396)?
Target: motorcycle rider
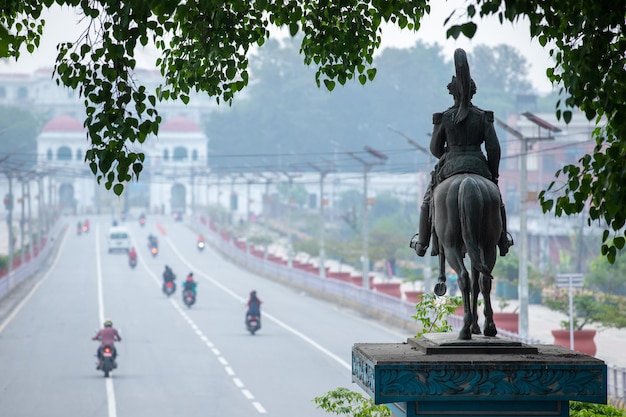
(254, 307)
(190, 284)
(132, 254)
(108, 335)
(168, 274)
(153, 242)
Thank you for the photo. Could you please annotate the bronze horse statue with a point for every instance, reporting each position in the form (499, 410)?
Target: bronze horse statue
(466, 218)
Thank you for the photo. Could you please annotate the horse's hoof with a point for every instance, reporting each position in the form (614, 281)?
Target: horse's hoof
(476, 329)
(490, 331)
(465, 335)
(440, 289)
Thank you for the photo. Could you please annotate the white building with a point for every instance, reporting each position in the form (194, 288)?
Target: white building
(174, 160)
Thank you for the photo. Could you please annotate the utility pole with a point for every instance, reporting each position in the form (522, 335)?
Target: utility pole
(30, 223)
(526, 142)
(367, 166)
(290, 178)
(425, 151)
(9, 204)
(323, 171)
(22, 221)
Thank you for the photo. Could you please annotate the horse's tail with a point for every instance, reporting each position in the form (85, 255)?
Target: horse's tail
(471, 208)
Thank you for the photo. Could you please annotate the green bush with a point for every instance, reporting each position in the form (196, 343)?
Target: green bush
(582, 409)
(344, 401)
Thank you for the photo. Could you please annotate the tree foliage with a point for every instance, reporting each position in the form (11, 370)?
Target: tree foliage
(608, 278)
(18, 138)
(204, 47)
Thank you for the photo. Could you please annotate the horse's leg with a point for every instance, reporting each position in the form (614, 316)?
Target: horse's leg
(440, 287)
(485, 287)
(455, 259)
(475, 290)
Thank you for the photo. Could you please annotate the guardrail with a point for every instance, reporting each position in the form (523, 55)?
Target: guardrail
(393, 306)
(29, 268)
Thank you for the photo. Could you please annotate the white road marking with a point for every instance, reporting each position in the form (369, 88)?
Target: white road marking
(228, 369)
(290, 329)
(259, 407)
(108, 381)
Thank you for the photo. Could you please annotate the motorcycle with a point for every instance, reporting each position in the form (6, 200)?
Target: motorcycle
(107, 359)
(253, 323)
(201, 245)
(79, 230)
(154, 251)
(189, 298)
(86, 226)
(132, 262)
(142, 221)
(169, 288)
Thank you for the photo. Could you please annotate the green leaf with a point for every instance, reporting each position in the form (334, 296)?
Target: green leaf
(453, 32)
(118, 189)
(469, 29)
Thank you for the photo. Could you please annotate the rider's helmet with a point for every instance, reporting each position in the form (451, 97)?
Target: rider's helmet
(253, 293)
(108, 323)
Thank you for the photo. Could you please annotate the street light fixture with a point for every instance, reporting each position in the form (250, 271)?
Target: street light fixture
(380, 159)
(523, 246)
(323, 171)
(290, 177)
(427, 260)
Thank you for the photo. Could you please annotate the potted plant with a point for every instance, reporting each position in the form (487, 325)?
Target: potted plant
(506, 320)
(589, 308)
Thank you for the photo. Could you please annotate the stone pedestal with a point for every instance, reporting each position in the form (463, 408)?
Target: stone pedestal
(439, 375)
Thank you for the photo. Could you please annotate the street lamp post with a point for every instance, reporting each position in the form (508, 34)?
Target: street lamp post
(322, 251)
(425, 151)
(367, 166)
(523, 233)
(290, 177)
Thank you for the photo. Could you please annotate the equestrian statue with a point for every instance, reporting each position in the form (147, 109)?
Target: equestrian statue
(462, 207)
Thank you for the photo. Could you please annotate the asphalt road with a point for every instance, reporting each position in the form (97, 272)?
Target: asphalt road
(173, 360)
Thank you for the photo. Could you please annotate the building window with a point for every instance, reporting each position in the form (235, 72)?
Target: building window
(3, 92)
(180, 154)
(572, 155)
(64, 154)
(194, 155)
(49, 155)
(79, 155)
(166, 155)
(549, 163)
(22, 93)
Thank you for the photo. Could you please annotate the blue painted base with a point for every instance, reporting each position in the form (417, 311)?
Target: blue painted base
(434, 376)
(496, 408)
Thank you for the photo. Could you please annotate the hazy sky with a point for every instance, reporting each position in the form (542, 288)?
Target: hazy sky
(63, 25)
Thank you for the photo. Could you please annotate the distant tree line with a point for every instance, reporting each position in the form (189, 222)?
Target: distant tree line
(285, 120)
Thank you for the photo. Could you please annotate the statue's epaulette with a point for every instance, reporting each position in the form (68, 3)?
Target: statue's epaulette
(486, 113)
(437, 118)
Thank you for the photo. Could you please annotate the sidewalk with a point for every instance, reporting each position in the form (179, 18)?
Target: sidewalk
(541, 320)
